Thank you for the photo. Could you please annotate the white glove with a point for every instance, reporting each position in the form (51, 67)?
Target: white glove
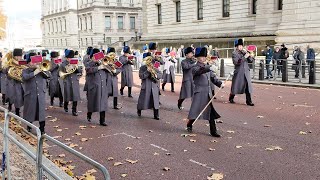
(247, 55)
(37, 71)
(223, 85)
(101, 67)
(213, 68)
(114, 71)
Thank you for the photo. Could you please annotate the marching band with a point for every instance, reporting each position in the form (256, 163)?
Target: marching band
(23, 81)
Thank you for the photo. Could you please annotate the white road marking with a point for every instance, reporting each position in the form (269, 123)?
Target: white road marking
(201, 164)
(163, 149)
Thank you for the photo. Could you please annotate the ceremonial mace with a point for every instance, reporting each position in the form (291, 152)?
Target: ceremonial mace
(230, 74)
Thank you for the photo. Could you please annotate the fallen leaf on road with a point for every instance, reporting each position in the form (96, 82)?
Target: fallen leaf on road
(213, 141)
(260, 117)
(66, 128)
(193, 140)
(56, 126)
(91, 171)
(215, 176)
(117, 163)
(303, 105)
(110, 158)
(80, 148)
(168, 154)
(82, 127)
(93, 126)
(278, 108)
(48, 117)
(84, 139)
(219, 121)
(272, 148)
(229, 131)
(211, 149)
(68, 139)
(302, 133)
(56, 137)
(166, 169)
(267, 125)
(238, 147)
(53, 120)
(167, 122)
(308, 123)
(150, 131)
(124, 175)
(279, 97)
(245, 123)
(131, 161)
(73, 145)
(208, 125)
(61, 155)
(59, 130)
(129, 148)
(78, 134)
(156, 154)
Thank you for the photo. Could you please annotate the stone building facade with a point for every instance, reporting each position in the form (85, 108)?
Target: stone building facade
(219, 22)
(78, 24)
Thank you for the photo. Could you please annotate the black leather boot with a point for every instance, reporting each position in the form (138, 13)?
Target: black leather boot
(180, 101)
(18, 111)
(130, 92)
(10, 106)
(51, 101)
(139, 113)
(65, 104)
(249, 100)
(163, 84)
(231, 97)
(189, 125)
(121, 91)
(74, 108)
(156, 114)
(4, 99)
(42, 125)
(172, 87)
(213, 129)
(115, 103)
(60, 101)
(103, 118)
(89, 115)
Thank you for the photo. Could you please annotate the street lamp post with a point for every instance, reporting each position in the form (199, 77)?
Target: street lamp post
(78, 24)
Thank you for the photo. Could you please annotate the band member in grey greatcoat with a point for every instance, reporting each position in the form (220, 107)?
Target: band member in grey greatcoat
(86, 59)
(112, 80)
(149, 94)
(55, 83)
(15, 88)
(203, 76)
(168, 72)
(156, 58)
(97, 88)
(71, 83)
(3, 81)
(241, 81)
(187, 86)
(34, 97)
(126, 73)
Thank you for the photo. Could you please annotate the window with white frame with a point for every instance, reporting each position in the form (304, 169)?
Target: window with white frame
(120, 22)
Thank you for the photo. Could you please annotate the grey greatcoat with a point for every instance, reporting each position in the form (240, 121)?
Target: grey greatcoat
(202, 93)
(86, 60)
(126, 73)
(34, 96)
(97, 88)
(71, 84)
(55, 83)
(149, 94)
(168, 72)
(3, 80)
(15, 92)
(112, 83)
(187, 86)
(241, 77)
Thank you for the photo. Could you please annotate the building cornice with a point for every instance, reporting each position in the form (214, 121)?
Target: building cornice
(59, 13)
(119, 8)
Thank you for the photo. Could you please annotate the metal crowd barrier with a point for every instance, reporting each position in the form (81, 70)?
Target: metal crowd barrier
(37, 156)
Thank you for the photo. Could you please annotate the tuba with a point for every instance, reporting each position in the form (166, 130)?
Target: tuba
(14, 69)
(70, 68)
(151, 69)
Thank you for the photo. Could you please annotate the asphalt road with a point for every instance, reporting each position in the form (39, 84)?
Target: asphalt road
(276, 139)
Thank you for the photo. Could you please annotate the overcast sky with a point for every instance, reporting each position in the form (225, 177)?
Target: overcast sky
(23, 18)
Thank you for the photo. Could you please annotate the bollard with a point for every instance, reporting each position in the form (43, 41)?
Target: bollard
(261, 71)
(222, 68)
(284, 70)
(312, 72)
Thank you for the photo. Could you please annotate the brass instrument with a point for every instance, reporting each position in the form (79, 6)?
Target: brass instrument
(108, 62)
(151, 68)
(45, 66)
(14, 69)
(70, 68)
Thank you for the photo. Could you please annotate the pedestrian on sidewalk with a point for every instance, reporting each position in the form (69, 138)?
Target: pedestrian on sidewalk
(276, 58)
(97, 88)
(268, 54)
(241, 81)
(168, 72)
(34, 81)
(126, 73)
(203, 76)
(187, 85)
(149, 93)
(299, 63)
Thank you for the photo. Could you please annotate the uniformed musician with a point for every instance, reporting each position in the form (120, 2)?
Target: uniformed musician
(55, 82)
(126, 73)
